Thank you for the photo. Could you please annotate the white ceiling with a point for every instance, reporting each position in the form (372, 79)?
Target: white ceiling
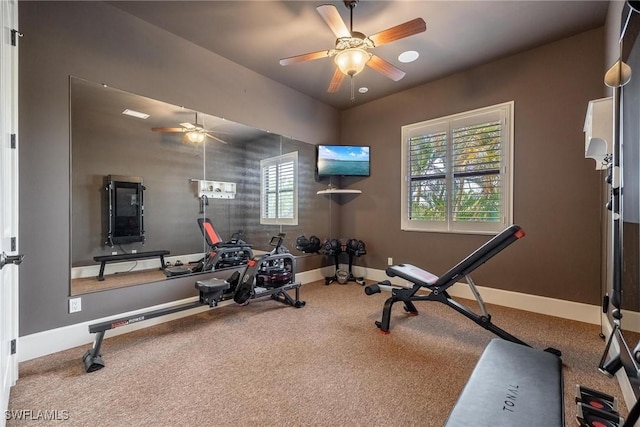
(460, 34)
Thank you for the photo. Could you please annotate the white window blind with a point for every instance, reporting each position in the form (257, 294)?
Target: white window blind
(279, 195)
(457, 172)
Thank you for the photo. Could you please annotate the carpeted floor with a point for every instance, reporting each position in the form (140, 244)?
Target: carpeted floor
(268, 364)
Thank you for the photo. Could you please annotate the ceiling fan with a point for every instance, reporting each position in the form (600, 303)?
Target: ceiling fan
(193, 131)
(351, 50)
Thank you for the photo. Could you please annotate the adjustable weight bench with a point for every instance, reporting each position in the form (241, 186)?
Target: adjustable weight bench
(437, 286)
(512, 383)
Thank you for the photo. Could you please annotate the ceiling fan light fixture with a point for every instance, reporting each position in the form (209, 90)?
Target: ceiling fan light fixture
(352, 61)
(195, 136)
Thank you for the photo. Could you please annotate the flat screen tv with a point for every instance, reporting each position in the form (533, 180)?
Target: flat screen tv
(342, 160)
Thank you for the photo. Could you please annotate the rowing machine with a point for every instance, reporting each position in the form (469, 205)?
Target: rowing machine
(272, 274)
(278, 263)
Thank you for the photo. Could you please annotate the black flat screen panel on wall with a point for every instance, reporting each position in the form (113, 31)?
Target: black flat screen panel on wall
(125, 209)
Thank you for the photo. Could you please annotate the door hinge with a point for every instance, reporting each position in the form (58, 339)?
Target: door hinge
(14, 244)
(14, 37)
(13, 141)
(13, 346)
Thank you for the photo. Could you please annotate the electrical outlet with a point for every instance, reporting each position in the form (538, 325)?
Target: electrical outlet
(389, 261)
(134, 251)
(114, 253)
(75, 305)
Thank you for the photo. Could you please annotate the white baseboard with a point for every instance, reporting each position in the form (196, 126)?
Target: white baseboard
(59, 339)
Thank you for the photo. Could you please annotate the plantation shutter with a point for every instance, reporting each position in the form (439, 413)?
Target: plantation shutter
(285, 189)
(476, 160)
(457, 172)
(428, 173)
(279, 190)
(270, 191)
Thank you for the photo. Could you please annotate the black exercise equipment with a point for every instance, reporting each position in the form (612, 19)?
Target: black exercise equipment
(595, 408)
(511, 386)
(272, 274)
(312, 245)
(221, 254)
(334, 248)
(273, 267)
(104, 259)
(423, 280)
(124, 214)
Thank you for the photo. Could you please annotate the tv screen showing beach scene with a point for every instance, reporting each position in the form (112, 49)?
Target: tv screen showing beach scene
(343, 160)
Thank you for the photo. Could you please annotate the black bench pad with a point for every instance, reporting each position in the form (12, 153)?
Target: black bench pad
(512, 385)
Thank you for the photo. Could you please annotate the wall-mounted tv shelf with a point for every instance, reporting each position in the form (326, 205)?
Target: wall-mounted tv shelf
(338, 191)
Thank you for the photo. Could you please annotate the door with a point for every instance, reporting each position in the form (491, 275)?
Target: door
(8, 200)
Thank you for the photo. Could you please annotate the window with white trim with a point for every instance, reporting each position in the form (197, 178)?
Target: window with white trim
(457, 172)
(279, 190)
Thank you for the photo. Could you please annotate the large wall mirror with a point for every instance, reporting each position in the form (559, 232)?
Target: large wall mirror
(211, 171)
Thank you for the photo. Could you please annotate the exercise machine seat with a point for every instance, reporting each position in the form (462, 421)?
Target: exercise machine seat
(211, 290)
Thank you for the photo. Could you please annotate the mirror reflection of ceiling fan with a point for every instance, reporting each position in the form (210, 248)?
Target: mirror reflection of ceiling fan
(351, 52)
(193, 131)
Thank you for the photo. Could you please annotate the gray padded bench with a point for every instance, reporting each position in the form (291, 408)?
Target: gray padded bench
(512, 385)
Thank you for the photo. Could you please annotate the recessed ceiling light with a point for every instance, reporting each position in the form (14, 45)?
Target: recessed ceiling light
(408, 56)
(363, 89)
(137, 114)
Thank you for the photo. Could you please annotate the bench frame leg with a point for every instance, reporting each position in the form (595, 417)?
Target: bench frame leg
(408, 296)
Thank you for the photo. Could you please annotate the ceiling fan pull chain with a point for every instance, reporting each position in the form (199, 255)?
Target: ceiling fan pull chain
(352, 91)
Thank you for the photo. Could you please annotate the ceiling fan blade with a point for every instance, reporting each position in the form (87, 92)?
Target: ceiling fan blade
(216, 139)
(168, 129)
(216, 131)
(384, 67)
(304, 57)
(333, 19)
(188, 125)
(398, 32)
(336, 81)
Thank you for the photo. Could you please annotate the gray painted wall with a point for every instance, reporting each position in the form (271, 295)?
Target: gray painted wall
(555, 197)
(556, 190)
(100, 43)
